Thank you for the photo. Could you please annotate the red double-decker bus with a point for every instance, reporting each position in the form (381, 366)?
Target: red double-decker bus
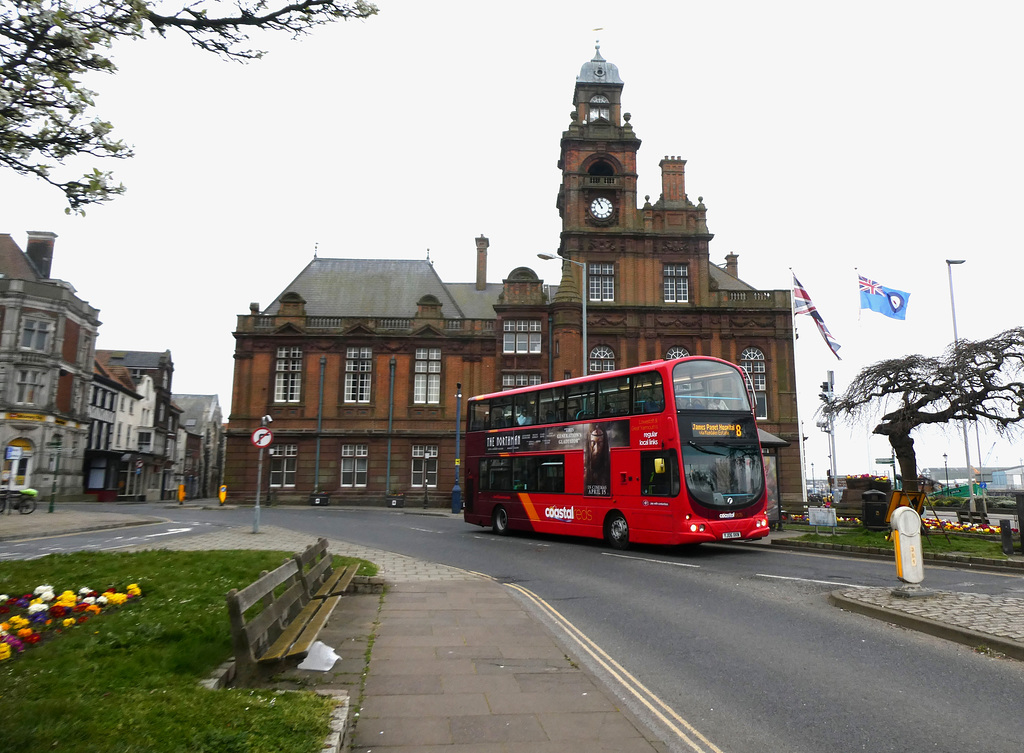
(663, 453)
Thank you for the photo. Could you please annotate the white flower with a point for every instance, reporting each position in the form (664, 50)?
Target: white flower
(102, 600)
(4, 598)
(43, 589)
(34, 608)
(89, 600)
(84, 591)
(48, 596)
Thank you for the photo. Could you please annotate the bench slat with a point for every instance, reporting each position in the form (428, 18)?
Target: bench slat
(312, 629)
(280, 648)
(256, 591)
(338, 583)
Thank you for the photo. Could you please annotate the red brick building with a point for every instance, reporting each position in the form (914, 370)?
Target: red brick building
(387, 342)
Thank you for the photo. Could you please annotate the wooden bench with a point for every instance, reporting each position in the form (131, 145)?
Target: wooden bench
(316, 570)
(971, 518)
(296, 601)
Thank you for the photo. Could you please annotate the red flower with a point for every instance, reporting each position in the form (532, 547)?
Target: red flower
(79, 607)
(34, 638)
(58, 611)
(83, 618)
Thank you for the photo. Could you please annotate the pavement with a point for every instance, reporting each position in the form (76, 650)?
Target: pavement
(459, 662)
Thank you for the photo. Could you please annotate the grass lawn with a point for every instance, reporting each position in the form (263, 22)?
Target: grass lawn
(932, 541)
(128, 678)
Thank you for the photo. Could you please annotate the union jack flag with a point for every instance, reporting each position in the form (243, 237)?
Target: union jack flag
(869, 286)
(802, 304)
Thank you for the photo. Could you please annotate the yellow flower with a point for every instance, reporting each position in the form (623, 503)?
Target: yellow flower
(134, 590)
(68, 622)
(5, 651)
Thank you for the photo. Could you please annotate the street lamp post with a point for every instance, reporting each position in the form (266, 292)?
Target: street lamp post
(456, 490)
(956, 348)
(946, 464)
(55, 445)
(584, 294)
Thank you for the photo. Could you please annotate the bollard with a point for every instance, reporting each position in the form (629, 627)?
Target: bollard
(1006, 535)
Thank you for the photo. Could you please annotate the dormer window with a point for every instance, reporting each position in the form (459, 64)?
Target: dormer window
(600, 108)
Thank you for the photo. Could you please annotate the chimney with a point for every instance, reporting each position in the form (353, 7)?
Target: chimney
(732, 265)
(673, 180)
(481, 262)
(40, 251)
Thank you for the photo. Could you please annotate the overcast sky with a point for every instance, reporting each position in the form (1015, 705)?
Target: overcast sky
(883, 137)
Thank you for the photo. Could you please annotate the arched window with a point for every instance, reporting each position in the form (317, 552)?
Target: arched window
(600, 108)
(676, 351)
(752, 362)
(602, 359)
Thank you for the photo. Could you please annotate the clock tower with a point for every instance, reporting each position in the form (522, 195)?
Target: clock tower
(598, 159)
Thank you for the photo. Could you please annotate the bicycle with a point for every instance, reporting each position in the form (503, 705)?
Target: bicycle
(25, 502)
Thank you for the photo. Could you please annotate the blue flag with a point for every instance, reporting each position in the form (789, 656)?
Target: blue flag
(885, 301)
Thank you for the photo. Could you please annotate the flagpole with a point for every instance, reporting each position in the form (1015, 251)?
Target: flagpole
(796, 392)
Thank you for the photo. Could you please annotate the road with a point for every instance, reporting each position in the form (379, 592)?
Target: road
(737, 640)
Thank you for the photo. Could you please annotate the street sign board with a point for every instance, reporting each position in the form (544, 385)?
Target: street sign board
(262, 437)
(885, 461)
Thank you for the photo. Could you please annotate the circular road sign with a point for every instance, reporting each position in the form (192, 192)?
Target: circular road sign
(262, 437)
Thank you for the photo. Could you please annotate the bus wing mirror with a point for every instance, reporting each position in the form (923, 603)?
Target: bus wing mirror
(659, 465)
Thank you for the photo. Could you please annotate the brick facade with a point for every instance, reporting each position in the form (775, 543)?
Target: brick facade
(650, 286)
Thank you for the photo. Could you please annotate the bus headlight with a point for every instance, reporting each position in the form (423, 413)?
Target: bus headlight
(693, 528)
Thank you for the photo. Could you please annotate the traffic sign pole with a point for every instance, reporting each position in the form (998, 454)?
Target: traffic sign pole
(261, 437)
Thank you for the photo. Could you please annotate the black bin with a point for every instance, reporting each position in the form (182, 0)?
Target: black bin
(874, 508)
(396, 500)
(319, 500)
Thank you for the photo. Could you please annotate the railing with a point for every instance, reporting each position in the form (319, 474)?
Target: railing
(263, 323)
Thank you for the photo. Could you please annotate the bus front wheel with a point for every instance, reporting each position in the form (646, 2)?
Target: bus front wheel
(616, 531)
(499, 521)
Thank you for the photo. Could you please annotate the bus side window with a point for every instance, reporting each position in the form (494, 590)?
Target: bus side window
(613, 396)
(479, 414)
(501, 414)
(579, 402)
(552, 406)
(648, 393)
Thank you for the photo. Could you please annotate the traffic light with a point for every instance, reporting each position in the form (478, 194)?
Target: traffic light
(826, 393)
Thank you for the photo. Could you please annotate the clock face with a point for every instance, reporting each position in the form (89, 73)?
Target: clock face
(601, 208)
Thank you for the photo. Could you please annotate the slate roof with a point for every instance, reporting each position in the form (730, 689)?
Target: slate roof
(133, 359)
(726, 281)
(196, 410)
(383, 288)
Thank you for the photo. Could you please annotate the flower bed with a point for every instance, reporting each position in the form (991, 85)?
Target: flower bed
(43, 614)
(952, 526)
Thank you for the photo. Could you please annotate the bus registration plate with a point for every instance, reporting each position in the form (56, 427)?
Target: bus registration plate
(731, 535)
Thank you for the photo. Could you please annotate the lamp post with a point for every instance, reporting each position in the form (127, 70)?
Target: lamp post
(319, 428)
(584, 294)
(946, 464)
(55, 446)
(456, 491)
(956, 349)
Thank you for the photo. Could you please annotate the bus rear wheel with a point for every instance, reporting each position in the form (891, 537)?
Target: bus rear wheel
(616, 531)
(499, 521)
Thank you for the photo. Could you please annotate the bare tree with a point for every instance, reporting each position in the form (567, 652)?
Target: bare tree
(48, 46)
(976, 381)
